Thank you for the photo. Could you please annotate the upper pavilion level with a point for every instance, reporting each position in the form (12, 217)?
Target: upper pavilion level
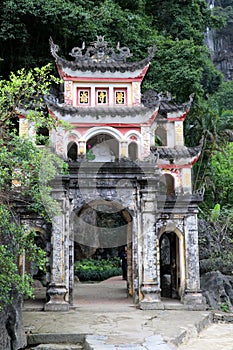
(111, 119)
(100, 76)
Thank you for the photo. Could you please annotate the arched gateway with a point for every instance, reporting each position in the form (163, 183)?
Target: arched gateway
(127, 164)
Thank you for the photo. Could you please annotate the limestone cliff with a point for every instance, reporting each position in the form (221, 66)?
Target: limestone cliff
(220, 41)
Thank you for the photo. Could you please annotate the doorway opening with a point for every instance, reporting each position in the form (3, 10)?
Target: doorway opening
(170, 266)
(72, 151)
(102, 230)
(133, 151)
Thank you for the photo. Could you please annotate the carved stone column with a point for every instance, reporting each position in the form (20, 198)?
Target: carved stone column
(150, 285)
(193, 296)
(57, 290)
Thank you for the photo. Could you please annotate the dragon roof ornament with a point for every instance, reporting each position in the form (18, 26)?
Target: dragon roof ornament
(100, 55)
(101, 52)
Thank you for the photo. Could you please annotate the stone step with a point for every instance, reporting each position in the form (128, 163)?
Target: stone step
(58, 347)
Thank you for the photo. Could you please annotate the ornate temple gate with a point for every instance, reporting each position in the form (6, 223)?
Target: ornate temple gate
(122, 186)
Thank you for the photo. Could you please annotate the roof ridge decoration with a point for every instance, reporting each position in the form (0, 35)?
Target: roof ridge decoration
(100, 56)
(101, 52)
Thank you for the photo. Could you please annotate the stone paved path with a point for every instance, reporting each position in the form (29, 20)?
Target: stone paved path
(110, 319)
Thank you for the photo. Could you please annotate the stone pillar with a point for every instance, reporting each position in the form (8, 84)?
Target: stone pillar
(179, 134)
(150, 285)
(58, 290)
(145, 152)
(23, 126)
(193, 296)
(81, 148)
(124, 149)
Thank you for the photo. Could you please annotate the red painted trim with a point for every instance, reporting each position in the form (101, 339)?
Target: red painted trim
(181, 118)
(196, 159)
(173, 166)
(96, 80)
(124, 125)
(20, 116)
(114, 125)
(152, 118)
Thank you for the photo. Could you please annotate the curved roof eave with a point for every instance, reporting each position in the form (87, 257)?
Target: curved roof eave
(123, 112)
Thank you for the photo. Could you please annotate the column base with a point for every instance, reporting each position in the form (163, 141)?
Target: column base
(151, 297)
(151, 305)
(194, 300)
(57, 293)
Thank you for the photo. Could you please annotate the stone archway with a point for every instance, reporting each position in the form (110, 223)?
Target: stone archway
(121, 186)
(102, 228)
(172, 267)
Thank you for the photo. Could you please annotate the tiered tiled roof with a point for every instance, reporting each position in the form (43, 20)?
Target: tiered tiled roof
(136, 114)
(176, 153)
(165, 101)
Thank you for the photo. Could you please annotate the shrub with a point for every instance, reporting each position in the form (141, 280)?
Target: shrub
(97, 270)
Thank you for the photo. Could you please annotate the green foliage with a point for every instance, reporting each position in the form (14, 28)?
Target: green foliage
(24, 91)
(182, 65)
(27, 25)
(25, 175)
(218, 179)
(224, 96)
(181, 19)
(222, 176)
(178, 68)
(225, 307)
(221, 225)
(215, 127)
(10, 279)
(224, 10)
(21, 176)
(215, 213)
(97, 270)
(211, 77)
(16, 240)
